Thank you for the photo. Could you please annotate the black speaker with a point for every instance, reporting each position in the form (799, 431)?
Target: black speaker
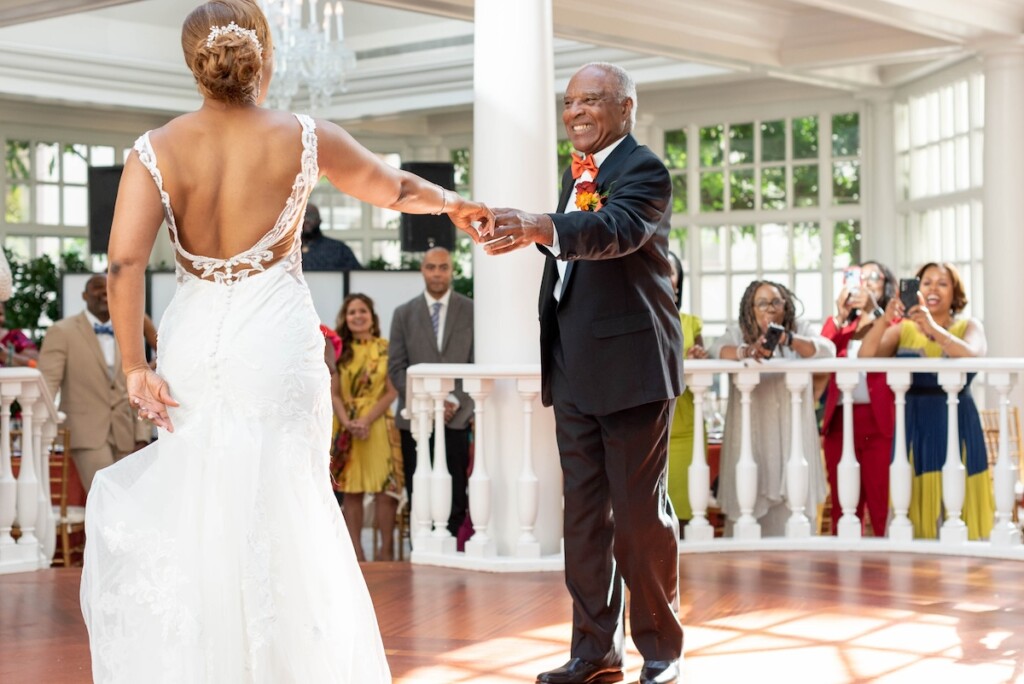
(420, 232)
(103, 182)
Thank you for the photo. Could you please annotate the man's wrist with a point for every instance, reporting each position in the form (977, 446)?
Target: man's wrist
(544, 232)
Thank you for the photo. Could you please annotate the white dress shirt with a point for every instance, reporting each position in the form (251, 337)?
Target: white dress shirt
(570, 206)
(106, 341)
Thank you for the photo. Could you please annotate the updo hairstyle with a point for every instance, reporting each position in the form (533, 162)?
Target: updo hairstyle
(230, 68)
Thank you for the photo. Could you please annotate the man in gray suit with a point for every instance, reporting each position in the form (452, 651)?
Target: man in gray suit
(436, 327)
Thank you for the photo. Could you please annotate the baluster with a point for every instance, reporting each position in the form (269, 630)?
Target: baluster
(900, 472)
(8, 485)
(46, 527)
(28, 483)
(954, 474)
(481, 543)
(848, 471)
(441, 540)
(528, 485)
(699, 480)
(421, 477)
(1004, 531)
(798, 526)
(746, 526)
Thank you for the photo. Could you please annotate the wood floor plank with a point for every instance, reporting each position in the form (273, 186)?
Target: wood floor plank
(814, 617)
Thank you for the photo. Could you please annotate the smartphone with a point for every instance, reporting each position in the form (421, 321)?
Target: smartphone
(908, 292)
(851, 279)
(772, 336)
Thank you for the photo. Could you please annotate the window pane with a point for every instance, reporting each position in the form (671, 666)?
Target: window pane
(49, 247)
(903, 175)
(741, 190)
(960, 104)
(16, 206)
(460, 160)
(17, 158)
(19, 245)
(76, 163)
(711, 145)
(773, 188)
(339, 212)
(677, 243)
(102, 156)
(48, 204)
(679, 194)
(675, 149)
(846, 135)
(805, 138)
(846, 244)
(807, 246)
(962, 165)
(712, 249)
(743, 248)
(773, 140)
(774, 246)
(805, 185)
(739, 283)
(387, 251)
(809, 291)
(76, 206)
(846, 182)
(901, 117)
(47, 162)
(385, 218)
(79, 246)
(712, 297)
(712, 191)
(741, 143)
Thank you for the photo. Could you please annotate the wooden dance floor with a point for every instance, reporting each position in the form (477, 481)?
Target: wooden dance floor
(814, 617)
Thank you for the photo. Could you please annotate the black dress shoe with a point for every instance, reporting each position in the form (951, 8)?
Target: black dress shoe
(660, 672)
(579, 671)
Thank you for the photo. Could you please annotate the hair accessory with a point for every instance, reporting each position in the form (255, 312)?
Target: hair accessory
(217, 31)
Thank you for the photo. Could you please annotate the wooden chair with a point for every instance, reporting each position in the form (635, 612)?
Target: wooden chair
(70, 519)
(990, 426)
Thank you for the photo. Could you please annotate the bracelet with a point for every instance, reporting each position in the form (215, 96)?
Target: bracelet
(741, 351)
(444, 201)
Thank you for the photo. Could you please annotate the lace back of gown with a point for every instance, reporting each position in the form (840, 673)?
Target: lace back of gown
(218, 553)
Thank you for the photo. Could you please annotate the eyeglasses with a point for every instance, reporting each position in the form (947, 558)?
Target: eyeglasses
(765, 304)
(872, 277)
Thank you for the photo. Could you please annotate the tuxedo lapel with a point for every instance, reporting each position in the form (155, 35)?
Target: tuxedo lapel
(567, 182)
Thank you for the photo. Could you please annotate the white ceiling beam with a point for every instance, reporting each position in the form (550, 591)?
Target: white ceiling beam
(20, 11)
(882, 46)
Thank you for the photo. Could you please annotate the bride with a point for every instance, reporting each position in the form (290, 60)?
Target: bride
(218, 554)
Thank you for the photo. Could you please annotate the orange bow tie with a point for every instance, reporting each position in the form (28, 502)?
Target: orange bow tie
(584, 163)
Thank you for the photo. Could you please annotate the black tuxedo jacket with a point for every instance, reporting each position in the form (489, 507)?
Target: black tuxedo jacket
(617, 319)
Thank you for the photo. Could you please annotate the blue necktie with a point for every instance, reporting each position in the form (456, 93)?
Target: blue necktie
(435, 316)
(102, 329)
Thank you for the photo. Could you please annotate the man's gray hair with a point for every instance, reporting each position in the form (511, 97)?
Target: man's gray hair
(625, 86)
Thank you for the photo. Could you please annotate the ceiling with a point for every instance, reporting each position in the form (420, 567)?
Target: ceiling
(417, 55)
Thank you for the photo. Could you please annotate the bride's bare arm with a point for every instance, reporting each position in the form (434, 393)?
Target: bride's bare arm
(138, 215)
(356, 171)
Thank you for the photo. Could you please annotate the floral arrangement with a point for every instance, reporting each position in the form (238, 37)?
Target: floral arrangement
(588, 197)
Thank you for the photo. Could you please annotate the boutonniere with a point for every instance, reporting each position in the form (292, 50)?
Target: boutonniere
(588, 197)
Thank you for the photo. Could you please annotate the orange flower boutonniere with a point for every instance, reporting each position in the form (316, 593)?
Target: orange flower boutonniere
(588, 197)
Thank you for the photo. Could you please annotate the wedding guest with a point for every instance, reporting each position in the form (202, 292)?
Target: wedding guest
(371, 461)
(680, 441)
(320, 253)
(873, 408)
(767, 302)
(16, 349)
(934, 328)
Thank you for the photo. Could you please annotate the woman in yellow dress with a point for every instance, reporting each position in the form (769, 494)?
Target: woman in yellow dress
(368, 456)
(680, 442)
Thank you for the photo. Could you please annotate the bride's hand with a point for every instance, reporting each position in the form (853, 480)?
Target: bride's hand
(149, 396)
(465, 214)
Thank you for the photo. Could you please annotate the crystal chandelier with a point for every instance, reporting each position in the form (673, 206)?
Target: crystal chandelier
(309, 50)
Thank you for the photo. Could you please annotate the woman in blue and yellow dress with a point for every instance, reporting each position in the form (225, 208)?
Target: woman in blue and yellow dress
(680, 442)
(367, 454)
(932, 329)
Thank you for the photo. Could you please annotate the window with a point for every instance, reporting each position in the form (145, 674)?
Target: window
(774, 199)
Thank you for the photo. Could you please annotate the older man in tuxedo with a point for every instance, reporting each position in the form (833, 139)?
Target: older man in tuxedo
(611, 366)
(81, 359)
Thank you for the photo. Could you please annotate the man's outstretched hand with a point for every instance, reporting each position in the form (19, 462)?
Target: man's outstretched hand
(515, 229)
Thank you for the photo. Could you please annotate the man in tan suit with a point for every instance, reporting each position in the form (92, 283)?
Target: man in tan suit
(81, 359)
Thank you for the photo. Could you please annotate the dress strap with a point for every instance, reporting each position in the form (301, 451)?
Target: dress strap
(144, 148)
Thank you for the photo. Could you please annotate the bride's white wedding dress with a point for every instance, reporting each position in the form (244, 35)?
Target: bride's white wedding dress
(218, 554)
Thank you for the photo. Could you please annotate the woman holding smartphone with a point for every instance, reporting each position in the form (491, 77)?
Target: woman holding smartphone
(860, 302)
(933, 329)
(763, 305)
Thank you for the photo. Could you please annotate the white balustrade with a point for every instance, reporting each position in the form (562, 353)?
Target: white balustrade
(516, 466)
(25, 502)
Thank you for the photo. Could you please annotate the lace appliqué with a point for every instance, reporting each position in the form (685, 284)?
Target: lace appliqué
(260, 256)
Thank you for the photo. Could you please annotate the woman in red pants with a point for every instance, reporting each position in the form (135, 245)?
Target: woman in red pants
(865, 292)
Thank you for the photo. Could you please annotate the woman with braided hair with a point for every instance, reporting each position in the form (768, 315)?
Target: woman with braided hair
(763, 303)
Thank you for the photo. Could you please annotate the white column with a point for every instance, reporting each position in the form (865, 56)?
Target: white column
(954, 474)
(848, 470)
(879, 227)
(1002, 238)
(900, 472)
(514, 163)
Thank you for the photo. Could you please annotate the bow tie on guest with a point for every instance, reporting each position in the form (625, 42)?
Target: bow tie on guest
(102, 329)
(584, 163)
